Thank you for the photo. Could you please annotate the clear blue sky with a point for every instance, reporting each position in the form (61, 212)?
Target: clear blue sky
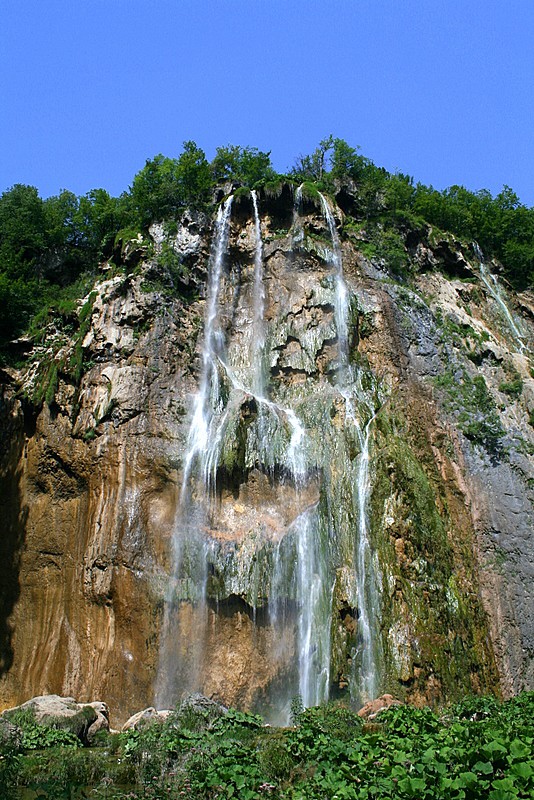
(440, 89)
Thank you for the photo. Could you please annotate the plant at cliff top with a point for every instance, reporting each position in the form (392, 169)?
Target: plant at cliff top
(165, 186)
(246, 165)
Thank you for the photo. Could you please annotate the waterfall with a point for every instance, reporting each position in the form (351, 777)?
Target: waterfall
(349, 384)
(190, 548)
(207, 400)
(492, 285)
(313, 591)
(296, 227)
(290, 436)
(366, 680)
(258, 326)
(341, 293)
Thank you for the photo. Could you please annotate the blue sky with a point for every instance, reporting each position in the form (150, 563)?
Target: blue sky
(440, 89)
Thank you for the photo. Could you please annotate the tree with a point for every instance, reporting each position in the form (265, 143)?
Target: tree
(22, 232)
(313, 167)
(165, 186)
(194, 176)
(347, 161)
(245, 165)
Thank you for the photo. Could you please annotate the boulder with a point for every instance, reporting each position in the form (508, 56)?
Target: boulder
(148, 716)
(371, 709)
(200, 704)
(54, 711)
(101, 722)
(10, 735)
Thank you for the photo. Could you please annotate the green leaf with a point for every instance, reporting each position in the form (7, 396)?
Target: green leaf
(519, 749)
(467, 780)
(412, 786)
(494, 747)
(484, 767)
(506, 785)
(522, 769)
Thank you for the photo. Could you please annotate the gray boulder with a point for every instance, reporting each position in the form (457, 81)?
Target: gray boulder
(149, 716)
(10, 735)
(54, 711)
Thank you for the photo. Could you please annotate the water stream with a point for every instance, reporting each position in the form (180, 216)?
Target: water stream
(492, 285)
(291, 439)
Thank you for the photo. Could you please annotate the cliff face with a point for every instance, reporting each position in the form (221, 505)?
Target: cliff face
(364, 488)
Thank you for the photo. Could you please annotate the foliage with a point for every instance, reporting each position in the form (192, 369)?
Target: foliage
(165, 186)
(475, 409)
(48, 246)
(387, 245)
(246, 165)
(36, 736)
(514, 386)
(479, 749)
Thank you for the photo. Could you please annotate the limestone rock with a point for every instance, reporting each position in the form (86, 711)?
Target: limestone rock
(101, 722)
(59, 712)
(149, 716)
(372, 708)
(10, 734)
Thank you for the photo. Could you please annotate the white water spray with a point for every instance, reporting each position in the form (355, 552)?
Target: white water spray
(341, 308)
(365, 588)
(492, 285)
(208, 395)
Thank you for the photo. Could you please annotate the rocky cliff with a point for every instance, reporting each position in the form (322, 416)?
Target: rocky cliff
(384, 443)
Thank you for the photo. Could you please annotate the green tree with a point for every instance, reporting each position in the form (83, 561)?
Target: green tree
(165, 186)
(22, 232)
(313, 167)
(347, 162)
(245, 165)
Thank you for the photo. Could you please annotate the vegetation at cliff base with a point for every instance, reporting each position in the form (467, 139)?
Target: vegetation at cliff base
(480, 749)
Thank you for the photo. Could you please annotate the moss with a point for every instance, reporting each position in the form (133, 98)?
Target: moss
(273, 189)
(311, 192)
(474, 408)
(432, 623)
(513, 387)
(241, 193)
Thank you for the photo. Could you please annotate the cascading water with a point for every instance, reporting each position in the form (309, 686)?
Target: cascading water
(290, 436)
(341, 293)
(190, 548)
(350, 386)
(492, 285)
(366, 590)
(207, 400)
(258, 326)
